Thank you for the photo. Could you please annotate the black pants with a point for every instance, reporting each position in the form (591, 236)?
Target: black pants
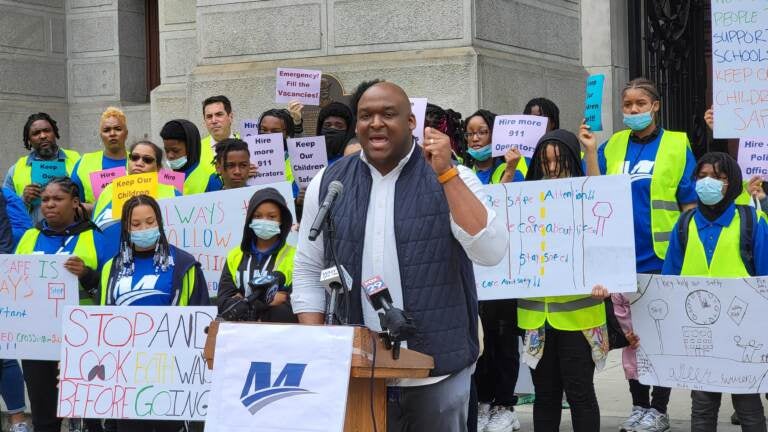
(41, 379)
(498, 367)
(149, 425)
(643, 396)
(565, 366)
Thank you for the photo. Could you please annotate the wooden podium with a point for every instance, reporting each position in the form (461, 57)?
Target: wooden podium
(411, 364)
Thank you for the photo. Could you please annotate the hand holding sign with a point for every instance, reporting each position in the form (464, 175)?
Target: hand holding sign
(521, 131)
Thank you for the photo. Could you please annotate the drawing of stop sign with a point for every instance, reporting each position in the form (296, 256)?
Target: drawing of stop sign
(602, 211)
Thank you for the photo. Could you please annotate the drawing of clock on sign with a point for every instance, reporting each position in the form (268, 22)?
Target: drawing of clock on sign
(702, 307)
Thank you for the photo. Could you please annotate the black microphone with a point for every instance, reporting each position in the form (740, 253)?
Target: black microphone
(378, 293)
(334, 192)
(395, 323)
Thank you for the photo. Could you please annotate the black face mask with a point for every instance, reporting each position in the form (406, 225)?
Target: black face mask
(335, 140)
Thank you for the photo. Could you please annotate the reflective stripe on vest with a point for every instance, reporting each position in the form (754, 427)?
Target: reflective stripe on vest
(85, 248)
(726, 260)
(668, 169)
(283, 264)
(570, 313)
(22, 173)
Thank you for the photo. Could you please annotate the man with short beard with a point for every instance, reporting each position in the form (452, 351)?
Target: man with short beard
(40, 135)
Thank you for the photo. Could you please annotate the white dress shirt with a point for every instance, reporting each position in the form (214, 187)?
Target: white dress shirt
(487, 247)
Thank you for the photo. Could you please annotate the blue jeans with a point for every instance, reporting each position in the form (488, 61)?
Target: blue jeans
(12, 386)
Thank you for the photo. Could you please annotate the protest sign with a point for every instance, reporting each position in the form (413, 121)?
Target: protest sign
(102, 179)
(268, 154)
(563, 235)
(753, 157)
(521, 131)
(172, 178)
(419, 110)
(298, 84)
(593, 104)
(131, 186)
(34, 289)
(131, 362)
(702, 333)
(210, 228)
(45, 171)
(308, 156)
(295, 381)
(739, 74)
(248, 128)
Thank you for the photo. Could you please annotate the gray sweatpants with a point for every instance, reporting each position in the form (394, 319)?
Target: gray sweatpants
(438, 407)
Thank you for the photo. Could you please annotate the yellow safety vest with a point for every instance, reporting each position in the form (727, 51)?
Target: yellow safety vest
(22, 173)
(90, 163)
(571, 312)
(283, 263)
(197, 181)
(522, 168)
(667, 173)
(726, 260)
(105, 199)
(85, 248)
(206, 149)
(181, 300)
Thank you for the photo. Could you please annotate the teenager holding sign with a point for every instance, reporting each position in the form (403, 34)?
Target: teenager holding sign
(181, 140)
(490, 170)
(284, 122)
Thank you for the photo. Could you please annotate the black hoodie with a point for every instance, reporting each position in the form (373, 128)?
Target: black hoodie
(335, 142)
(191, 138)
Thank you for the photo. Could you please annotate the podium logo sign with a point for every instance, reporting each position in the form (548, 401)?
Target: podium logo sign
(287, 384)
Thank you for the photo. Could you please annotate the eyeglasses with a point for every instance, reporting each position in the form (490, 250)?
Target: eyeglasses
(149, 160)
(480, 134)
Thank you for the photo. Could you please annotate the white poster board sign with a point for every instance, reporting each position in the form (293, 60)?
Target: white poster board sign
(563, 235)
(753, 157)
(298, 84)
(34, 289)
(308, 156)
(129, 362)
(296, 380)
(419, 110)
(702, 334)
(210, 228)
(268, 154)
(249, 127)
(521, 131)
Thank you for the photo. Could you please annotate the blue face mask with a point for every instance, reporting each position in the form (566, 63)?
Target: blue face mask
(145, 238)
(177, 163)
(265, 229)
(709, 190)
(481, 154)
(638, 122)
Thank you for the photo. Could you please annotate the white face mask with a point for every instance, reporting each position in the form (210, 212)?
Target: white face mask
(177, 163)
(265, 229)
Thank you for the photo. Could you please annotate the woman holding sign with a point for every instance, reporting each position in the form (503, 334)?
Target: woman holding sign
(181, 140)
(661, 165)
(64, 229)
(720, 239)
(287, 122)
(490, 170)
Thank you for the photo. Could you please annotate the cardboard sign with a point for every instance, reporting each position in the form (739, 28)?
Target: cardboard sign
(131, 186)
(268, 154)
(419, 109)
(308, 156)
(298, 84)
(521, 131)
(102, 179)
(45, 171)
(131, 362)
(248, 128)
(172, 178)
(34, 289)
(753, 157)
(593, 104)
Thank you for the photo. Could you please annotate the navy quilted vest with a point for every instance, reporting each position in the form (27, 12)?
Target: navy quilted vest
(437, 277)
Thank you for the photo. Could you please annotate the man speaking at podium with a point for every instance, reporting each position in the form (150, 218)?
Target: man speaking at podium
(411, 216)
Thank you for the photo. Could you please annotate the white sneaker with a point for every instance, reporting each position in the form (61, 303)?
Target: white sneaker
(629, 424)
(502, 419)
(22, 427)
(483, 416)
(653, 421)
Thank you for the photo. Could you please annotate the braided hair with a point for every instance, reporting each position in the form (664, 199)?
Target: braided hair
(547, 108)
(124, 259)
(448, 122)
(225, 147)
(289, 127)
(567, 151)
(33, 118)
(70, 188)
(643, 84)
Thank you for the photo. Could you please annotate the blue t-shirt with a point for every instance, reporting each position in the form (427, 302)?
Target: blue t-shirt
(485, 176)
(709, 233)
(639, 162)
(147, 286)
(106, 163)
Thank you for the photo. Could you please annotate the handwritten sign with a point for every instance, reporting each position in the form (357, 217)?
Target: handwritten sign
(521, 131)
(296, 381)
(127, 362)
(268, 154)
(702, 333)
(563, 234)
(102, 179)
(419, 110)
(739, 73)
(131, 186)
(248, 128)
(593, 104)
(308, 156)
(34, 289)
(753, 157)
(45, 171)
(210, 228)
(298, 84)
(172, 178)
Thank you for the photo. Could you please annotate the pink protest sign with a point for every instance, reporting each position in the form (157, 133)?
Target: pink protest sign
(173, 178)
(298, 84)
(753, 157)
(521, 131)
(101, 179)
